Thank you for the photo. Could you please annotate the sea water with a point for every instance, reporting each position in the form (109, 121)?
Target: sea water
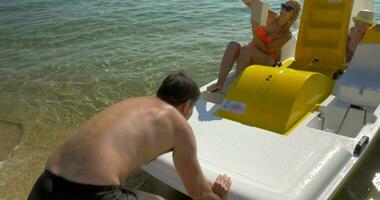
(63, 61)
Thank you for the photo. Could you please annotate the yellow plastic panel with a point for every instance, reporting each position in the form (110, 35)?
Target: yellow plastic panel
(372, 35)
(323, 34)
(274, 99)
(243, 90)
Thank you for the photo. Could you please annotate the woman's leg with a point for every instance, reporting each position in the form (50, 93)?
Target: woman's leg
(250, 55)
(260, 58)
(244, 59)
(230, 56)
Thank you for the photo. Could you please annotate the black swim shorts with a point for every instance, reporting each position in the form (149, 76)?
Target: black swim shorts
(51, 187)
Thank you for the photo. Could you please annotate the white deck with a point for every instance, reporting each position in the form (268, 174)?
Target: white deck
(307, 164)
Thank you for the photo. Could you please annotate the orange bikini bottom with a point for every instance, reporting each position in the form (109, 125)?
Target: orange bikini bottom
(271, 54)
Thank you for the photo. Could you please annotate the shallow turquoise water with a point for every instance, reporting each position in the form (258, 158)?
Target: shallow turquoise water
(63, 61)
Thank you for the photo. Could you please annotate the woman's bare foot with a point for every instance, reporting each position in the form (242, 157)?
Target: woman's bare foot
(214, 87)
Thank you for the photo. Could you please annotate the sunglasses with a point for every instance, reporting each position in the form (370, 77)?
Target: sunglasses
(286, 7)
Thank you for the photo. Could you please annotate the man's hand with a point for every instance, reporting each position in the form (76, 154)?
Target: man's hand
(221, 186)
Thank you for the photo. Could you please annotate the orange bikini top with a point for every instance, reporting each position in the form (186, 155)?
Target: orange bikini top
(262, 35)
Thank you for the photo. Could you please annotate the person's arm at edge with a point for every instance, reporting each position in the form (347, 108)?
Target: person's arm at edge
(377, 27)
(187, 165)
(349, 54)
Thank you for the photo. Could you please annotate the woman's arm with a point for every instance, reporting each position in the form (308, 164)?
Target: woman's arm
(275, 44)
(271, 13)
(254, 26)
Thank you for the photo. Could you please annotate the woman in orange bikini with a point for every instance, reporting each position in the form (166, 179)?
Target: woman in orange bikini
(265, 47)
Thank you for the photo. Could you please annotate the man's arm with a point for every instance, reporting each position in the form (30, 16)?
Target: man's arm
(187, 165)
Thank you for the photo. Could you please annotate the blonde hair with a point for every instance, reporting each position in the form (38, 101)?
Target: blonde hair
(296, 5)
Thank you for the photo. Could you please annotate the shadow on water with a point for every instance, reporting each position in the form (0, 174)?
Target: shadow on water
(10, 137)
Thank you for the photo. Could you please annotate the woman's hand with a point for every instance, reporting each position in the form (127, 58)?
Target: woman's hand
(248, 3)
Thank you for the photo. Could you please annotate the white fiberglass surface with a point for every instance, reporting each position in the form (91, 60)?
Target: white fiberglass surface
(262, 159)
(307, 164)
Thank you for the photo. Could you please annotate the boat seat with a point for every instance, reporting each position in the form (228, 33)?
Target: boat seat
(360, 83)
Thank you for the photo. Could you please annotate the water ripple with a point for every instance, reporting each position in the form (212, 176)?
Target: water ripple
(63, 61)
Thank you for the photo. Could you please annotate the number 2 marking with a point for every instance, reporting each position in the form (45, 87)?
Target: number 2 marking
(269, 78)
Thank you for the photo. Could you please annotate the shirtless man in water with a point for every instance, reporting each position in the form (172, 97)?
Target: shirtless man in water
(99, 157)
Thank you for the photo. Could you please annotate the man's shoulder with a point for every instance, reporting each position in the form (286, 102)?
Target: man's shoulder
(173, 114)
(153, 106)
(142, 102)
(177, 120)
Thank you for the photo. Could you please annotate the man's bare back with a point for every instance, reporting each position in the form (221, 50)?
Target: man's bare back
(105, 150)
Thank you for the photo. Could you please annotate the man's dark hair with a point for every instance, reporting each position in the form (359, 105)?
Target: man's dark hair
(177, 88)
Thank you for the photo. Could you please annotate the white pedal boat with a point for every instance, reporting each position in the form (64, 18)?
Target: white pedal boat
(292, 132)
